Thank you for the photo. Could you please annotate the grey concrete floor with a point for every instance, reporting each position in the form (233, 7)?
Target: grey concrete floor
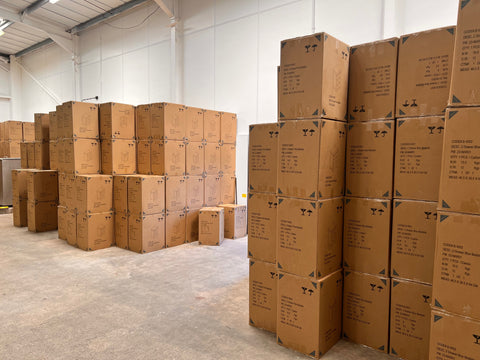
(187, 302)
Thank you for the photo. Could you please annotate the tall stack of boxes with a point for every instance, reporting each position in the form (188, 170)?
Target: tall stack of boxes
(11, 136)
(42, 193)
(41, 148)
(19, 197)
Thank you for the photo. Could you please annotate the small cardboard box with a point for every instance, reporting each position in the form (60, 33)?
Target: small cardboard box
(143, 122)
(228, 189)
(144, 155)
(192, 225)
(117, 121)
(413, 240)
(175, 228)
(71, 226)
(262, 157)
(95, 231)
(82, 156)
(228, 128)
(24, 155)
(42, 215)
(80, 120)
(31, 155)
(42, 155)
(311, 159)
(175, 193)
(314, 78)
(20, 183)
(42, 185)
(212, 190)
(146, 195)
(146, 233)
(121, 229)
(424, 72)
(309, 312)
(20, 211)
(42, 127)
(118, 156)
(262, 226)
(263, 295)
(168, 121)
(212, 158)
(235, 221)
(227, 159)
(195, 195)
(193, 124)
(28, 131)
(53, 126)
(366, 309)
(211, 126)
(120, 193)
(366, 237)
(418, 157)
(410, 319)
(370, 151)
(70, 192)
(94, 194)
(62, 222)
(373, 80)
(53, 154)
(194, 158)
(12, 149)
(309, 242)
(210, 222)
(168, 157)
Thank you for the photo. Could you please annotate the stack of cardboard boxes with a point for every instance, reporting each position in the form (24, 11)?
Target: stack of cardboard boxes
(11, 136)
(42, 193)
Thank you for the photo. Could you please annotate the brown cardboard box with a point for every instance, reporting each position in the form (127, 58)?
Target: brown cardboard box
(13, 130)
(42, 155)
(42, 185)
(311, 159)
(60, 121)
(366, 309)
(262, 226)
(117, 121)
(121, 229)
(12, 149)
(228, 128)
(424, 72)
(212, 190)
(144, 154)
(168, 157)
(2, 131)
(42, 127)
(28, 131)
(263, 295)
(95, 231)
(20, 211)
(194, 158)
(70, 192)
(42, 215)
(52, 126)
(235, 221)
(309, 234)
(62, 185)
(62, 222)
(418, 157)
(24, 155)
(314, 75)
(453, 337)
(211, 126)
(210, 226)
(175, 193)
(146, 233)
(94, 194)
(370, 151)
(175, 228)
(227, 158)
(120, 193)
(20, 183)
(459, 190)
(71, 226)
(309, 313)
(464, 88)
(366, 237)
(53, 155)
(228, 186)
(61, 155)
(373, 80)
(212, 158)
(456, 273)
(119, 156)
(168, 121)
(194, 192)
(192, 225)
(82, 156)
(146, 195)
(410, 319)
(80, 120)
(193, 124)
(262, 157)
(413, 240)
(31, 155)
(143, 122)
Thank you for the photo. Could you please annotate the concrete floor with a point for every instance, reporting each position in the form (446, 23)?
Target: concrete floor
(188, 302)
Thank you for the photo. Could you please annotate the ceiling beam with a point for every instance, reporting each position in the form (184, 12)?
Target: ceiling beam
(34, 47)
(165, 9)
(33, 6)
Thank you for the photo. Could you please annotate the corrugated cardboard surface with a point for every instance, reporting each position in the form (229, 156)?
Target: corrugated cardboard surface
(62, 222)
(121, 229)
(212, 190)
(94, 193)
(82, 156)
(175, 193)
(24, 155)
(53, 126)
(263, 295)
(146, 195)
(210, 222)
(42, 132)
(195, 197)
(235, 221)
(28, 131)
(117, 121)
(118, 156)
(211, 126)
(95, 231)
(168, 121)
(228, 188)
(71, 225)
(192, 225)
(146, 233)
(42, 155)
(144, 155)
(228, 158)
(212, 158)
(80, 120)
(194, 124)
(20, 183)
(168, 157)
(175, 228)
(194, 158)
(228, 128)
(53, 154)
(42, 185)
(20, 211)
(143, 119)
(120, 193)
(42, 216)
(31, 155)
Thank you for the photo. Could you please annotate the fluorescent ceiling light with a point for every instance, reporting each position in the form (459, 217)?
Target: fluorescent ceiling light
(53, 1)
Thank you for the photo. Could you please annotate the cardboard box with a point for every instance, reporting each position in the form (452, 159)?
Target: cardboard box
(80, 120)
(211, 126)
(20, 211)
(117, 121)
(13, 131)
(143, 122)
(262, 157)
(62, 184)
(2, 131)
(194, 192)
(70, 192)
(456, 272)
(311, 159)
(370, 151)
(464, 89)
(168, 121)
(62, 222)
(42, 185)
(175, 228)
(228, 128)
(146, 195)
(262, 227)
(192, 225)
(12, 149)
(146, 233)
(20, 183)
(410, 319)
(60, 121)
(309, 242)
(42, 155)
(120, 193)
(459, 190)
(309, 313)
(144, 155)
(42, 215)
(119, 156)
(262, 297)
(424, 72)
(23, 155)
(31, 155)
(228, 189)
(235, 221)
(121, 229)
(314, 75)
(175, 193)
(42, 127)
(413, 240)
(193, 124)
(212, 158)
(227, 158)
(52, 126)
(95, 231)
(372, 80)
(53, 155)
(28, 131)
(61, 155)
(210, 225)
(168, 157)
(366, 237)
(212, 190)
(194, 158)
(366, 309)
(94, 194)
(71, 226)
(82, 156)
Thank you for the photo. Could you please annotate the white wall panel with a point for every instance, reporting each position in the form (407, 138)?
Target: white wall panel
(4, 82)
(242, 166)
(197, 15)
(90, 75)
(428, 14)
(4, 110)
(159, 73)
(228, 10)
(112, 88)
(135, 75)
